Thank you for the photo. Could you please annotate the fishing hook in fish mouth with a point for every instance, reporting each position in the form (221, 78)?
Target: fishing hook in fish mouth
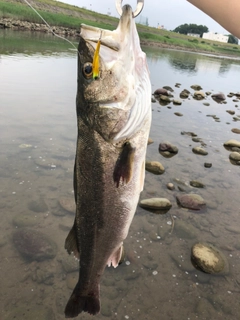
(140, 4)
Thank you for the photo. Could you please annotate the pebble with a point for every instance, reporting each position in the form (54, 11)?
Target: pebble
(209, 258)
(235, 130)
(199, 95)
(177, 102)
(25, 220)
(196, 87)
(231, 143)
(191, 201)
(184, 94)
(167, 150)
(170, 186)
(154, 167)
(156, 204)
(34, 245)
(70, 264)
(232, 112)
(196, 184)
(199, 150)
(178, 114)
(235, 158)
(207, 165)
(68, 204)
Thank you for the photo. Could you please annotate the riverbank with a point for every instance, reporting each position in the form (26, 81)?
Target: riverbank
(65, 20)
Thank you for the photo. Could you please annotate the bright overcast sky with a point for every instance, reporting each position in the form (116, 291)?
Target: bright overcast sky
(169, 13)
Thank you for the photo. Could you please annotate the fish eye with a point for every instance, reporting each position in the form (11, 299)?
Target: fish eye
(87, 69)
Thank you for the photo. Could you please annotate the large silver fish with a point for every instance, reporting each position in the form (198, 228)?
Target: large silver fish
(114, 116)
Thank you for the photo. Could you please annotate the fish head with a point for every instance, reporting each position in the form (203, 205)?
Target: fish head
(122, 87)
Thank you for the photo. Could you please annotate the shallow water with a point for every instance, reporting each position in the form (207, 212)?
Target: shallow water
(38, 135)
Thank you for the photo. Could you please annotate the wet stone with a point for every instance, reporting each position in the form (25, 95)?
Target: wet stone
(200, 151)
(232, 112)
(231, 144)
(68, 204)
(178, 114)
(154, 167)
(207, 165)
(196, 139)
(184, 94)
(185, 230)
(170, 186)
(168, 88)
(167, 150)
(199, 95)
(34, 245)
(236, 130)
(38, 205)
(188, 133)
(150, 141)
(207, 104)
(196, 87)
(209, 259)
(70, 264)
(191, 201)
(156, 204)
(177, 102)
(235, 158)
(43, 276)
(196, 184)
(25, 220)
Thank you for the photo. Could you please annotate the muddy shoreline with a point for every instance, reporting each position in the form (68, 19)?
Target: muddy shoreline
(19, 25)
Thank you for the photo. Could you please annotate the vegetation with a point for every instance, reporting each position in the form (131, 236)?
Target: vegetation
(61, 14)
(232, 39)
(191, 28)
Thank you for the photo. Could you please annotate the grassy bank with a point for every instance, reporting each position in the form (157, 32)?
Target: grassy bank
(61, 14)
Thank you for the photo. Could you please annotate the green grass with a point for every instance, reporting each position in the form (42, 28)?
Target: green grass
(61, 14)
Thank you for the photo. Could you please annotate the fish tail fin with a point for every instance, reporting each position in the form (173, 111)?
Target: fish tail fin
(79, 302)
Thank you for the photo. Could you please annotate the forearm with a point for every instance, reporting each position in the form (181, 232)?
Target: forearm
(225, 12)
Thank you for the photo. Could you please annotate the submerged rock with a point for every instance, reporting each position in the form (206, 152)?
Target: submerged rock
(230, 144)
(191, 201)
(209, 259)
(184, 94)
(167, 150)
(234, 158)
(68, 204)
(154, 167)
(199, 150)
(160, 91)
(196, 184)
(199, 95)
(38, 205)
(236, 130)
(34, 245)
(25, 220)
(218, 97)
(196, 87)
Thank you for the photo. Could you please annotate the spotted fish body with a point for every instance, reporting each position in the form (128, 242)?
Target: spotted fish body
(114, 116)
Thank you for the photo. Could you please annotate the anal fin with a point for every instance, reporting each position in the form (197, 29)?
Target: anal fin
(71, 243)
(124, 166)
(116, 258)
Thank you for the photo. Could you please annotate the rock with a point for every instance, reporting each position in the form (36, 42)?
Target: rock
(164, 98)
(208, 93)
(156, 204)
(177, 102)
(235, 130)
(150, 141)
(191, 201)
(231, 144)
(199, 150)
(72, 279)
(170, 186)
(207, 104)
(188, 133)
(218, 97)
(154, 167)
(161, 91)
(196, 139)
(207, 165)
(184, 94)
(232, 112)
(177, 85)
(38, 205)
(68, 204)
(196, 184)
(196, 87)
(153, 100)
(70, 264)
(235, 158)
(43, 276)
(178, 114)
(185, 230)
(209, 259)
(167, 150)
(34, 245)
(168, 88)
(199, 95)
(25, 220)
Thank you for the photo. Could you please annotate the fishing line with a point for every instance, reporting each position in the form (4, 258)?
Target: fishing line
(29, 4)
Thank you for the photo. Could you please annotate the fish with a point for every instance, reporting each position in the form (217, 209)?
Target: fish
(113, 107)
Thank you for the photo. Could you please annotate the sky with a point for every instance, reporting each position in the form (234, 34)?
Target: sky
(169, 13)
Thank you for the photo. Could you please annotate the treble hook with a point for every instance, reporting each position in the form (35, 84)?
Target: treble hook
(140, 4)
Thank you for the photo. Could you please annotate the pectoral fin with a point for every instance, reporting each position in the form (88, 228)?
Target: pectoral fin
(71, 243)
(124, 165)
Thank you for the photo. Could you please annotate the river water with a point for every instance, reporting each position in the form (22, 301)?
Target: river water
(38, 78)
